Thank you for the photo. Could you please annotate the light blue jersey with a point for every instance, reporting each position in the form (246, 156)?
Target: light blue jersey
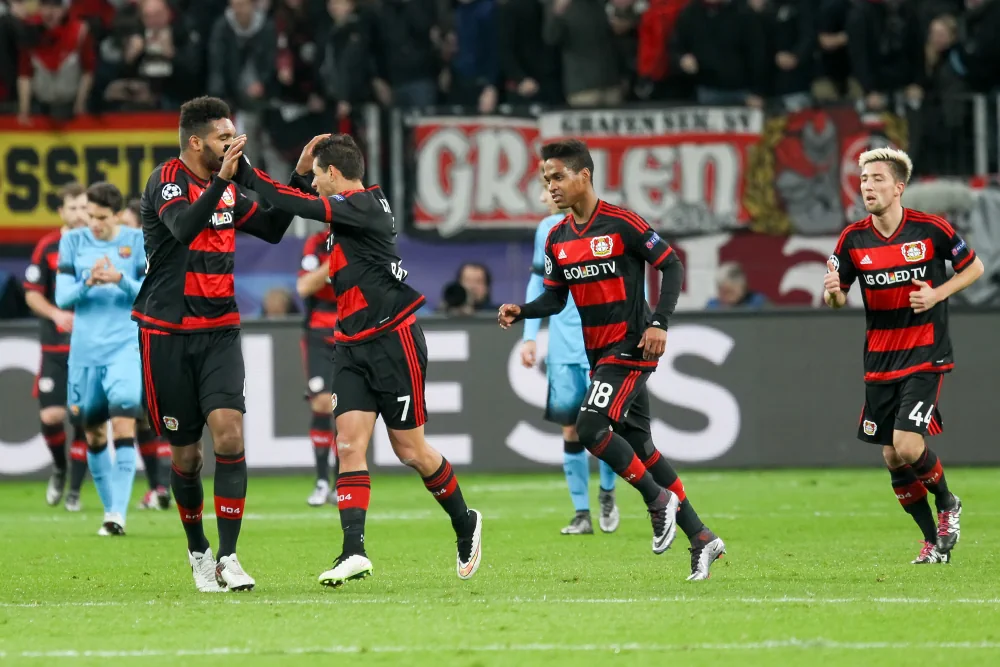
(102, 324)
(565, 330)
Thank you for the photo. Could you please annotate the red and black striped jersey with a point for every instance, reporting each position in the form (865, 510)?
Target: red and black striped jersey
(366, 272)
(321, 307)
(602, 264)
(190, 286)
(898, 341)
(40, 276)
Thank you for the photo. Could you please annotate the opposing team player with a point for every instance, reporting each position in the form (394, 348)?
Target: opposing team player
(898, 255)
(56, 325)
(380, 356)
(192, 359)
(101, 267)
(598, 252)
(313, 285)
(568, 374)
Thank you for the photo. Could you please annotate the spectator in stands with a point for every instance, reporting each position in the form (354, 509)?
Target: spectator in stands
(720, 44)
(731, 283)
(12, 35)
(790, 29)
(529, 67)
(277, 304)
(407, 60)
(347, 59)
(149, 61)
(56, 70)
(657, 78)
(242, 59)
(476, 64)
(99, 15)
(978, 59)
(885, 43)
(580, 29)
(455, 301)
(623, 17)
(835, 81)
(476, 280)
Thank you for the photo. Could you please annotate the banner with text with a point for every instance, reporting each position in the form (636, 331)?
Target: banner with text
(41, 158)
(744, 390)
(686, 170)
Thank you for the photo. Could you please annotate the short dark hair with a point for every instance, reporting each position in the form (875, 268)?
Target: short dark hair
(198, 114)
(134, 205)
(71, 189)
(341, 151)
(475, 265)
(573, 152)
(107, 195)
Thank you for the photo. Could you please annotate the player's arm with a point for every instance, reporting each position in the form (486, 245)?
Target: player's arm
(968, 269)
(643, 241)
(536, 283)
(285, 197)
(131, 284)
(553, 297)
(265, 222)
(313, 274)
(39, 274)
(840, 274)
(185, 219)
(69, 289)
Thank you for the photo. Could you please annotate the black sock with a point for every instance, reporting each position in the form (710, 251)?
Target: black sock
(687, 519)
(570, 447)
(55, 439)
(443, 485)
(913, 497)
(190, 498)
(930, 473)
(77, 459)
(617, 453)
(321, 434)
(163, 463)
(148, 446)
(230, 498)
(354, 491)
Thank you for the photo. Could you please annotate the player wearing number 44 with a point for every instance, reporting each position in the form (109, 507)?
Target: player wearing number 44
(898, 255)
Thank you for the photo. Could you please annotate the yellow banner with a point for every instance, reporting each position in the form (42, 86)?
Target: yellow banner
(38, 160)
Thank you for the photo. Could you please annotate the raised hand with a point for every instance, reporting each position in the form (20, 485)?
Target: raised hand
(508, 313)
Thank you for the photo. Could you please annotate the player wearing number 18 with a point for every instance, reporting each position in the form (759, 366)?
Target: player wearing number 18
(379, 357)
(599, 253)
(898, 255)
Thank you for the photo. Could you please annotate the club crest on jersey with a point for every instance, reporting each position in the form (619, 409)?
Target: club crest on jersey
(125, 251)
(333, 401)
(869, 427)
(170, 423)
(915, 251)
(170, 190)
(601, 246)
(33, 274)
(227, 197)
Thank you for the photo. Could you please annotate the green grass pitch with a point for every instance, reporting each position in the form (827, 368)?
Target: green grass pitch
(818, 573)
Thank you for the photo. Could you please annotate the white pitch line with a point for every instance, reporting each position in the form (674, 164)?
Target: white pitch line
(767, 645)
(678, 599)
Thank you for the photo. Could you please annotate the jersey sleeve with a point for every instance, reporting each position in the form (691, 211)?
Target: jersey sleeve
(265, 222)
(643, 241)
(310, 256)
(843, 262)
(949, 244)
(167, 191)
(69, 290)
(39, 273)
(538, 256)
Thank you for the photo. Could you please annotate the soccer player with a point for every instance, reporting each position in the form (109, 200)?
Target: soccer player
(568, 373)
(192, 359)
(155, 453)
(100, 269)
(380, 356)
(898, 254)
(598, 252)
(56, 325)
(313, 285)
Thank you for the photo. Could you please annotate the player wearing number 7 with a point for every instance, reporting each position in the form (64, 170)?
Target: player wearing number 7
(380, 356)
(898, 255)
(599, 253)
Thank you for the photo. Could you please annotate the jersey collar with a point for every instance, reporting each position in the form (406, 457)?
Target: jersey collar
(572, 219)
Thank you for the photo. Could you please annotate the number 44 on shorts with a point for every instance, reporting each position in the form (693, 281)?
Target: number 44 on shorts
(921, 419)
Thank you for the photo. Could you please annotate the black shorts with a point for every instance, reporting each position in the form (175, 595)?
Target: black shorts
(908, 405)
(52, 380)
(187, 376)
(619, 393)
(384, 376)
(317, 360)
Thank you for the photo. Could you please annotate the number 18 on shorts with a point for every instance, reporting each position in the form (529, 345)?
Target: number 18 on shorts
(908, 405)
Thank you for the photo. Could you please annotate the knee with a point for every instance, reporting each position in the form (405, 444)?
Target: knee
(349, 448)
(188, 459)
(909, 446)
(892, 459)
(122, 428)
(322, 404)
(228, 439)
(570, 434)
(53, 416)
(592, 428)
(409, 451)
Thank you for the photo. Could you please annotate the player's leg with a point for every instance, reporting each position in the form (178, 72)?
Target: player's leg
(356, 409)
(399, 383)
(317, 359)
(612, 390)
(918, 415)
(609, 517)
(876, 427)
(122, 384)
(86, 399)
(155, 453)
(561, 407)
(221, 380)
(171, 397)
(51, 395)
